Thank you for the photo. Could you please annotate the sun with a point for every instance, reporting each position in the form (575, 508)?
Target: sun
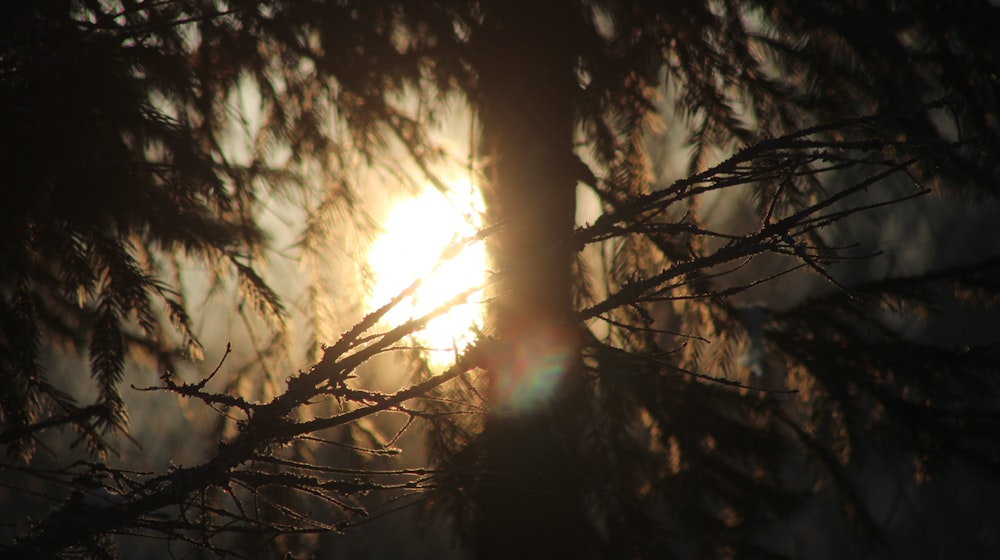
(416, 232)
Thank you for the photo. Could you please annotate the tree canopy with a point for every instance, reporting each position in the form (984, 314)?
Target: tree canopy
(689, 408)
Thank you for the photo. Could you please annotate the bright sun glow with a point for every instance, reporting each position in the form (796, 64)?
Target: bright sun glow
(417, 230)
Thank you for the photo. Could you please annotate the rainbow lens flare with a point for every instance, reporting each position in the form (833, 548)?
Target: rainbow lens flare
(531, 364)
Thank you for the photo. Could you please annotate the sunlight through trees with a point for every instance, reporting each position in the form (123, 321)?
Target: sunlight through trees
(421, 233)
(785, 293)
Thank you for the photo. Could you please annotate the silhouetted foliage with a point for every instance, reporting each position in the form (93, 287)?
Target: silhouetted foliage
(119, 162)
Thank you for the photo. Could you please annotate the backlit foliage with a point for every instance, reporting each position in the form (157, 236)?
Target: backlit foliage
(128, 150)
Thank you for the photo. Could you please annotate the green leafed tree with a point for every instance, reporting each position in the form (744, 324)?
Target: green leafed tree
(640, 388)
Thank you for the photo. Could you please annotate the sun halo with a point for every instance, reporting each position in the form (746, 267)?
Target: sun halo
(417, 231)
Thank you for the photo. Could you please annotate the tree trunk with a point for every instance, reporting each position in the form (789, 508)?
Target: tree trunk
(528, 500)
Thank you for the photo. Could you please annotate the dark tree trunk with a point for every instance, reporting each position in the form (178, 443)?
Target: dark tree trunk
(528, 502)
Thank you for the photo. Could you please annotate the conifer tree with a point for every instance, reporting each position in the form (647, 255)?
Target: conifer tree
(648, 443)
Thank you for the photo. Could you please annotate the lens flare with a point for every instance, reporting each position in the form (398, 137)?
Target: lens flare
(531, 364)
